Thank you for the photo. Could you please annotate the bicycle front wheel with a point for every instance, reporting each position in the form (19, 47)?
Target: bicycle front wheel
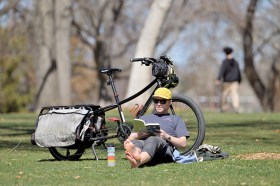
(190, 112)
(193, 117)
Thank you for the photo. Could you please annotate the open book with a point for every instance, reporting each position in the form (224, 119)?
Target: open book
(140, 125)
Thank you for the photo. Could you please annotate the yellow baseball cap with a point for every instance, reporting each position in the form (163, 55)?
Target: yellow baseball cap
(163, 93)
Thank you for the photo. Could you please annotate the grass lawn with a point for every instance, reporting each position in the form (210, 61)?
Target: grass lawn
(252, 140)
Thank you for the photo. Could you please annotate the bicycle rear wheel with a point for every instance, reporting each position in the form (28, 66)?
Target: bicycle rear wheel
(64, 153)
(190, 112)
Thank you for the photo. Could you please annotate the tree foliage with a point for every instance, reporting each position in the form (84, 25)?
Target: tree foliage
(16, 79)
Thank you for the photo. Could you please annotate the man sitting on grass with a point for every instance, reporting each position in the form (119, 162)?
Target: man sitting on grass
(142, 148)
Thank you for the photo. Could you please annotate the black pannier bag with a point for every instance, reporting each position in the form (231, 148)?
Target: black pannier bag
(58, 126)
(160, 69)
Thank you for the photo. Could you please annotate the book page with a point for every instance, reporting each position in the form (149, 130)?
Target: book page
(139, 125)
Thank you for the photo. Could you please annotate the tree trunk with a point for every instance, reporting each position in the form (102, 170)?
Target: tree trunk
(103, 49)
(275, 86)
(101, 58)
(140, 76)
(52, 30)
(62, 35)
(103, 18)
(250, 69)
(47, 90)
(268, 96)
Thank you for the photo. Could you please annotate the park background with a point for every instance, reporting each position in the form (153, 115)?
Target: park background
(50, 52)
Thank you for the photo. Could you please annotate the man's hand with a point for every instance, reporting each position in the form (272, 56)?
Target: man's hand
(180, 142)
(163, 134)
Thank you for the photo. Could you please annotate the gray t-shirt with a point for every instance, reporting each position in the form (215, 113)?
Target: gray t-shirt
(171, 124)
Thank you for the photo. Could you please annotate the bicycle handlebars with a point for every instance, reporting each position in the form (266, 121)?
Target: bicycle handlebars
(147, 60)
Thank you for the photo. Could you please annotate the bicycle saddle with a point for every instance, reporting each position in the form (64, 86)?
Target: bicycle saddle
(109, 70)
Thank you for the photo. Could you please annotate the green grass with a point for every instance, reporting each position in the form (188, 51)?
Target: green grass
(24, 164)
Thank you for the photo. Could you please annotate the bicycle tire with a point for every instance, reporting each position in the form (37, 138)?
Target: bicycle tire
(64, 153)
(192, 115)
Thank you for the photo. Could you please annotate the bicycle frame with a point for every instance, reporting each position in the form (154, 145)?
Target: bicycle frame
(119, 103)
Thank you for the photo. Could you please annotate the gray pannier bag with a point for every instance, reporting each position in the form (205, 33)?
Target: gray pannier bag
(58, 127)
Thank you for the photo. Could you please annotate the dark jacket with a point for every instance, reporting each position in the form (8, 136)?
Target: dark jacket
(229, 71)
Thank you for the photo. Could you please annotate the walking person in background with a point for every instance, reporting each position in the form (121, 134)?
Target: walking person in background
(230, 78)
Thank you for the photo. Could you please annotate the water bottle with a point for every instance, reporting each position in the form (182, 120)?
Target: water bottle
(111, 155)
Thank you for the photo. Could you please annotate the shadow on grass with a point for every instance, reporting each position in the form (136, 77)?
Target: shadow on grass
(242, 124)
(15, 130)
(81, 159)
(19, 145)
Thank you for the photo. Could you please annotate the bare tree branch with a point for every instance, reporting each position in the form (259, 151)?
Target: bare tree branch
(7, 6)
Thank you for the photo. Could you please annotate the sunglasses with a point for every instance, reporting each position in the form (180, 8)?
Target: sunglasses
(161, 101)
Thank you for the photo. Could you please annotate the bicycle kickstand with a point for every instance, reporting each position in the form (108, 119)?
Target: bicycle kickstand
(94, 152)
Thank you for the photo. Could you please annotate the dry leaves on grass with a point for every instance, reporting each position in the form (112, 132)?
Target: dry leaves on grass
(260, 156)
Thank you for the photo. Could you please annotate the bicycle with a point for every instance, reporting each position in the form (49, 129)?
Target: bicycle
(96, 133)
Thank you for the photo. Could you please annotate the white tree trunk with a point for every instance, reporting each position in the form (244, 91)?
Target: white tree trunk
(140, 76)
